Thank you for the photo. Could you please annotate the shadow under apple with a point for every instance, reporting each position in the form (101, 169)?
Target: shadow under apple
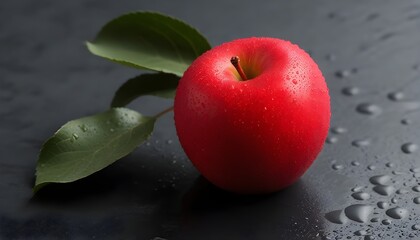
(211, 213)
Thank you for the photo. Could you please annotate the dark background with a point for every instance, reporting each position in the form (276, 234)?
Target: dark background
(366, 49)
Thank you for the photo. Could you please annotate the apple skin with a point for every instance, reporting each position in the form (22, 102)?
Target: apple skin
(259, 135)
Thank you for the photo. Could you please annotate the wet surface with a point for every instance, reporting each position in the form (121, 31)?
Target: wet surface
(364, 185)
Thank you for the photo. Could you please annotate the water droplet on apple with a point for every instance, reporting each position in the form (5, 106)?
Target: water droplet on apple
(294, 81)
(75, 136)
(409, 147)
(368, 109)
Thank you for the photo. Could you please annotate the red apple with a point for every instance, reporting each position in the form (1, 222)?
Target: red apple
(256, 127)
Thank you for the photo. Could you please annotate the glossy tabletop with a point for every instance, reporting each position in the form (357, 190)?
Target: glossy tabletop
(369, 52)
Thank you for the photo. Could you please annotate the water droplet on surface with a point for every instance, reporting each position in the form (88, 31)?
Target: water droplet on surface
(396, 96)
(386, 222)
(350, 91)
(338, 130)
(331, 140)
(342, 73)
(360, 233)
(415, 227)
(402, 191)
(361, 195)
(169, 141)
(369, 237)
(409, 148)
(111, 130)
(357, 189)
(330, 57)
(416, 189)
(384, 190)
(336, 216)
(397, 212)
(415, 170)
(394, 200)
(337, 166)
(294, 81)
(380, 179)
(355, 163)
(361, 143)
(359, 212)
(382, 205)
(416, 200)
(368, 109)
(75, 136)
(398, 173)
(390, 165)
(371, 167)
(158, 238)
(374, 219)
(406, 121)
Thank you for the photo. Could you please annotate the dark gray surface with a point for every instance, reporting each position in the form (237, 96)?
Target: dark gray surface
(47, 77)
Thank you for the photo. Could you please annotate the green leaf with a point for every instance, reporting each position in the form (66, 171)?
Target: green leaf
(156, 84)
(149, 40)
(86, 145)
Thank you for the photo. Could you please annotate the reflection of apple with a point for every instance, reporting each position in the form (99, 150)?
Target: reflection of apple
(255, 127)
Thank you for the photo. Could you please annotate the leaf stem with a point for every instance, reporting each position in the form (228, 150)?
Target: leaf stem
(164, 111)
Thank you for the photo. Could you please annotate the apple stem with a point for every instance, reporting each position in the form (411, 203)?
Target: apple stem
(235, 62)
